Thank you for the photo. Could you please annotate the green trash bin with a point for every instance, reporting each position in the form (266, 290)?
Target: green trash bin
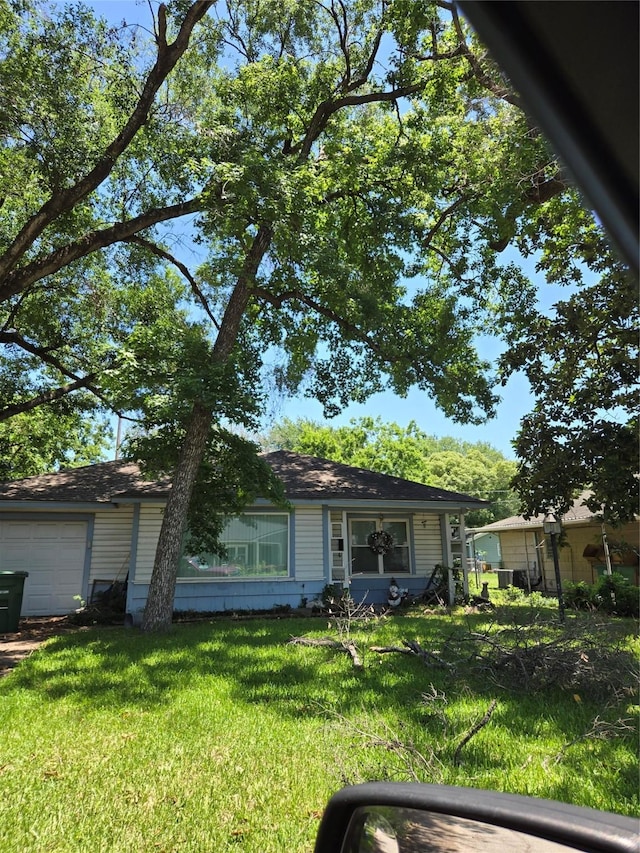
(11, 589)
(630, 573)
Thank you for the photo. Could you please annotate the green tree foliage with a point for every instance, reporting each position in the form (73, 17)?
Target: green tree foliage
(53, 437)
(582, 365)
(74, 97)
(460, 466)
(162, 373)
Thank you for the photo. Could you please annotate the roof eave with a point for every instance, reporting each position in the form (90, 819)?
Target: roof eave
(55, 506)
(376, 504)
(532, 525)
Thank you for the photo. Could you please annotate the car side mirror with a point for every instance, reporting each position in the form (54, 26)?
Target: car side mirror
(406, 818)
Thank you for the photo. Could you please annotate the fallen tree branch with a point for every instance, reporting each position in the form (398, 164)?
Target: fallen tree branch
(599, 730)
(413, 647)
(383, 650)
(427, 656)
(414, 765)
(474, 731)
(349, 647)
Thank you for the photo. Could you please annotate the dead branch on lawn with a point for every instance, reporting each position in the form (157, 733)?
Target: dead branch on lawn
(414, 765)
(544, 656)
(599, 730)
(474, 731)
(344, 646)
(585, 656)
(413, 647)
(383, 650)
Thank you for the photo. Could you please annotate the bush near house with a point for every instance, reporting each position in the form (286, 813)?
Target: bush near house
(611, 594)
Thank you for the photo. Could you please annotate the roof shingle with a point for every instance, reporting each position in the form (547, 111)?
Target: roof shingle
(309, 477)
(303, 477)
(99, 483)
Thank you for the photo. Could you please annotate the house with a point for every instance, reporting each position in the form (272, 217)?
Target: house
(483, 548)
(526, 550)
(79, 530)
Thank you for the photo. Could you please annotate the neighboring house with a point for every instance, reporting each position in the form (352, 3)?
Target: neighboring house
(527, 551)
(484, 548)
(80, 529)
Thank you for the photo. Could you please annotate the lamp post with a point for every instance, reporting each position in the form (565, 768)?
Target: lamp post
(552, 528)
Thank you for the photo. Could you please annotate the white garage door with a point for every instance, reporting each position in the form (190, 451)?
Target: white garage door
(53, 553)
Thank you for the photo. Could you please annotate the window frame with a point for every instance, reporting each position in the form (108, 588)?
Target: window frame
(377, 526)
(214, 563)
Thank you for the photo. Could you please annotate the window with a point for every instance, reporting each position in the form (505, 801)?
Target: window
(365, 561)
(257, 547)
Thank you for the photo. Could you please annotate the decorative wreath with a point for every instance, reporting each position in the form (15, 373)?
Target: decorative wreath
(380, 542)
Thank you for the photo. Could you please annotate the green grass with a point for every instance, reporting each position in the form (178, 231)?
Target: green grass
(220, 736)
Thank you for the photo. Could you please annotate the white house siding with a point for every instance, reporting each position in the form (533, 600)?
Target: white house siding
(149, 523)
(428, 543)
(111, 546)
(518, 549)
(309, 544)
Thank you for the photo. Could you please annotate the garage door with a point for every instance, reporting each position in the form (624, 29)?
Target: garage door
(53, 552)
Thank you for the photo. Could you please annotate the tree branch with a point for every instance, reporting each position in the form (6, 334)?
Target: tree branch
(48, 397)
(444, 215)
(66, 200)
(242, 293)
(21, 278)
(342, 646)
(360, 81)
(474, 731)
(162, 253)
(43, 353)
(297, 296)
(326, 109)
(502, 92)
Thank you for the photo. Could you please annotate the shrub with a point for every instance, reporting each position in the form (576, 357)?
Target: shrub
(581, 595)
(514, 594)
(618, 595)
(611, 594)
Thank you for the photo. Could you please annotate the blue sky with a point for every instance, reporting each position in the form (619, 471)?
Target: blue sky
(516, 397)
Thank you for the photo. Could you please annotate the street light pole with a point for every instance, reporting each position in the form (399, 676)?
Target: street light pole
(552, 527)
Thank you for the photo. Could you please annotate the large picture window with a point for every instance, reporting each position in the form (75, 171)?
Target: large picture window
(391, 561)
(257, 546)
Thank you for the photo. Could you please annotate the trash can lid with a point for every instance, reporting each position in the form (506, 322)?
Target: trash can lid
(19, 574)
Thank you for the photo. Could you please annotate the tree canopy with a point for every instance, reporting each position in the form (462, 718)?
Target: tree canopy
(55, 436)
(581, 363)
(349, 172)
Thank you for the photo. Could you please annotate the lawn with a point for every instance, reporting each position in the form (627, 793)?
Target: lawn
(223, 736)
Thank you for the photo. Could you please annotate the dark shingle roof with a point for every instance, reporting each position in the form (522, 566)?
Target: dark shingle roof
(308, 477)
(304, 478)
(102, 482)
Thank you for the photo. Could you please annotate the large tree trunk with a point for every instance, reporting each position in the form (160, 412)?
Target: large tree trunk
(159, 608)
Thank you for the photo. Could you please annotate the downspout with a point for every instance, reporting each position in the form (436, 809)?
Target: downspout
(473, 557)
(541, 558)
